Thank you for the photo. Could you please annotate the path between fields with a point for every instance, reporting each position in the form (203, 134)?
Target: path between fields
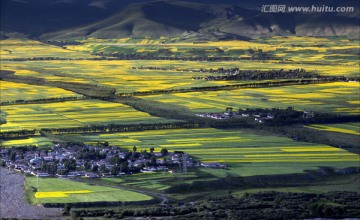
(12, 199)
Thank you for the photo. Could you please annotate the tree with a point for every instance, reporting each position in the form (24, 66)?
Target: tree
(152, 150)
(87, 165)
(103, 168)
(115, 170)
(134, 149)
(67, 209)
(164, 152)
(13, 156)
(95, 168)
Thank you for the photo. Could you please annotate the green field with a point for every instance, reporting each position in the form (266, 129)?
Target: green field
(56, 190)
(72, 114)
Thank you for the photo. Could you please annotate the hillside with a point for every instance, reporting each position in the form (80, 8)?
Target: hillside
(184, 19)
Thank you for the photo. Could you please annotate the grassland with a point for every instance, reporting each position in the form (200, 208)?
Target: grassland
(72, 114)
(55, 190)
(11, 91)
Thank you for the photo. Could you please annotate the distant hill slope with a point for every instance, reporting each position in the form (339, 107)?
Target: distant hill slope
(171, 18)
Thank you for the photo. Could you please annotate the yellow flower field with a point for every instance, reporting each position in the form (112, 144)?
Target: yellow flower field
(342, 128)
(57, 194)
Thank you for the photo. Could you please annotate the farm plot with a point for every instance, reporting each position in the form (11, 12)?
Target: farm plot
(339, 97)
(72, 114)
(314, 49)
(25, 48)
(119, 74)
(347, 128)
(37, 141)
(242, 149)
(56, 190)
(116, 74)
(11, 91)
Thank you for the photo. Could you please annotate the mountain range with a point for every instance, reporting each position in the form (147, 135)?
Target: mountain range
(198, 19)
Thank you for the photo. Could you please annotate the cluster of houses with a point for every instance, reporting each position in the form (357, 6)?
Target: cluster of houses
(258, 115)
(93, 161)
(215, 115)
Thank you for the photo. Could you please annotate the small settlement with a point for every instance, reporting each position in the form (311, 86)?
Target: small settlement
(260, 115)
(95, 161)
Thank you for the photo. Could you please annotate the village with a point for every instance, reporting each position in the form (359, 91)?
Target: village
(260, 115)
(89, 161)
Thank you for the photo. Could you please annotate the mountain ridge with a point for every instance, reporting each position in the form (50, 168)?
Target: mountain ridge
(175, 18)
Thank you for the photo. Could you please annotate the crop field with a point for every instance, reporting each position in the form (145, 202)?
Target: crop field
(56, 190)
(25, 48)
(318, 49)
(347, 128)
(37, 141)
(314, 49)
(11, 91)
(245, 152)
(72, 114)
(242, 149)
(339, 97)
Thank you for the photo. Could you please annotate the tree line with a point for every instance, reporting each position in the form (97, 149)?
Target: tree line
(260, 205)
(96, 129)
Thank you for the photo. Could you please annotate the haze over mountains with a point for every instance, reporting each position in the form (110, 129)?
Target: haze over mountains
(199, 19)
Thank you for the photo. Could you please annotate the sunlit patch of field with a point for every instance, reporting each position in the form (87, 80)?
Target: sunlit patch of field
(11, 91)
(57, 190)
(72, 114)
(347, 128)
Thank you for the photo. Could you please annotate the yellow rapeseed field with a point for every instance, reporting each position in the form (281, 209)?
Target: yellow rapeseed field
(55, 194)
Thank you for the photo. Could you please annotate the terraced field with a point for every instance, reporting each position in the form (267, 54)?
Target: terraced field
(55, 190)
(72, 114)
(339, 97)
(11, 91)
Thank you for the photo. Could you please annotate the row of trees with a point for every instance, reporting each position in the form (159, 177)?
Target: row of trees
(263, 205)
(43, 100)
(96, 129)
